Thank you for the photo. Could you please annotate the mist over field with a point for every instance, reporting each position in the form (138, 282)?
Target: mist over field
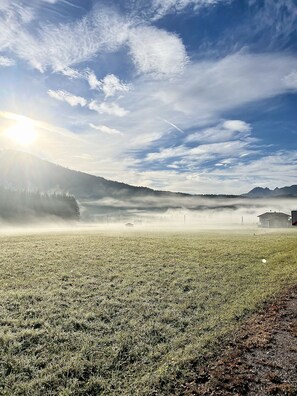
(200, 212)
(213, 214)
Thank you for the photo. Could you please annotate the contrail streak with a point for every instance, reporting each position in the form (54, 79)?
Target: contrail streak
(173, 125)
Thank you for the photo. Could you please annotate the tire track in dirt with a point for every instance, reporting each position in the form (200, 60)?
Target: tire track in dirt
(262, 358)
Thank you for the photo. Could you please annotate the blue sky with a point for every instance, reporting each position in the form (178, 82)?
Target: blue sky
(197, 96)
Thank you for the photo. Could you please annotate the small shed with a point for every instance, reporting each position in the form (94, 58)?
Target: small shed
(274, 220)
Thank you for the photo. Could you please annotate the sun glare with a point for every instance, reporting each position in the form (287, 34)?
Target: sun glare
(22, 132)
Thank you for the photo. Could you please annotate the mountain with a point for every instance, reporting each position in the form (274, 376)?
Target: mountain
(99, 197)
(259, 192)
(20, 170)
(23, 171)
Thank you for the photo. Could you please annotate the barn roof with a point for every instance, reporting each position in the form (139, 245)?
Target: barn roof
(274, 214)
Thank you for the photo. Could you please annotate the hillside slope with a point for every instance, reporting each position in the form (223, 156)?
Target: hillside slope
(24, 171)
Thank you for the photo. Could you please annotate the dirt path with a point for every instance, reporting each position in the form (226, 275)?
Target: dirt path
(262, 359)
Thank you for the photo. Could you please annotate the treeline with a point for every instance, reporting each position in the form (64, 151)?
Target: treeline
(22, 206)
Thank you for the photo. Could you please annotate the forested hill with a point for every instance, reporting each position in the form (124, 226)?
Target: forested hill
(24, 171)
(21, 206)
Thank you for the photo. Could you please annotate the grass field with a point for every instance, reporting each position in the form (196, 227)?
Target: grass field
(127, 313)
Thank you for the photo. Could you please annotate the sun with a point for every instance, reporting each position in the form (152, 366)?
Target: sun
(22, 132)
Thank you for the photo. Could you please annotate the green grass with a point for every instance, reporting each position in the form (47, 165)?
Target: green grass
(128, 314)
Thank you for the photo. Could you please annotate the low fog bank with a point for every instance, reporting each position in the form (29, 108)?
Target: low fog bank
(37, 225)
(215, 214)
(150, 203)
(194, 211)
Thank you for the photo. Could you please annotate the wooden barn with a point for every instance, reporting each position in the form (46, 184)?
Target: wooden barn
(274, 220)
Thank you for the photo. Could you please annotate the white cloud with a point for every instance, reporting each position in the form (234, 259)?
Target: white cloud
(6, 62)
(163, 7)
(224, 131)
(166, 153)
(202, 153)
(157, 52)
(106, 129)
(277, 16)
(111, 84)
(197, 101)
(270, 170)
(112, 109)
(99, 155)
(200, 97)
(291, 80)
(275, 170)
(102, 30)
(94, 83)
(208, 88)
(13, 19)
(67, 97)
(237, 126)
(61, 46)
(71, 73)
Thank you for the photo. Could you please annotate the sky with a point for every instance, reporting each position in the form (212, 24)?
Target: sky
(197, 96)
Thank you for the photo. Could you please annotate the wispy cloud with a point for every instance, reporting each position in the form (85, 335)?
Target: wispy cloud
(291, 80)
(163, 7)
(6, 62)
(239, 178)
(61, 46)
(213, 86)
(67, 97)
(275, 18)
(202, 153)
(110, 84)
(112, 109)
(224, 131)
(94, 83)
(71, 73)
(267, 170)
(106, 129)
(157, 52)
(170, 89)
(237, 126)
(195, 103)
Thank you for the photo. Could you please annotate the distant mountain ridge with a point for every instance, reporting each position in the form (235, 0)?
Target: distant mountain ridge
(260, 192)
